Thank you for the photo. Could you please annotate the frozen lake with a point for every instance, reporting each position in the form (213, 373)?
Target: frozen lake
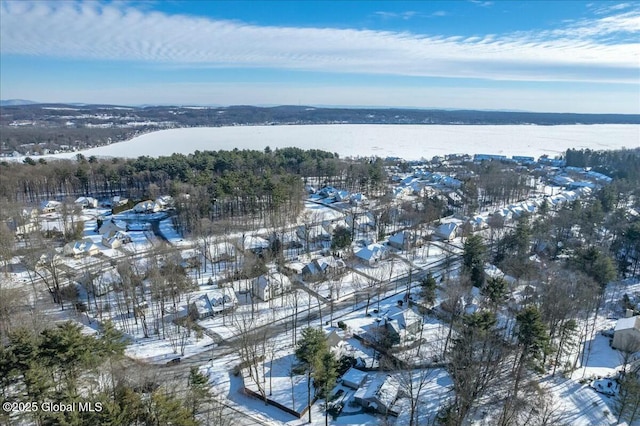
(405, 141)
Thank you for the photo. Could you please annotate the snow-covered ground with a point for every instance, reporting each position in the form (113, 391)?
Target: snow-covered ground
(406, 141)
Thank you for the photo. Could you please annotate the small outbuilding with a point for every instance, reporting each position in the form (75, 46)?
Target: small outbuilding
(626, 335)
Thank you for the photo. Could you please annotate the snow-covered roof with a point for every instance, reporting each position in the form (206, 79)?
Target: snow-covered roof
(252, 242)
(371, 252)
(78, 247)
(354, 377)
(382, 388)
(274, 279)
(403, 317)
(202, 305)
(628, 323)
(86, 201)
(399, 238)
(446, 230)
(221, 297)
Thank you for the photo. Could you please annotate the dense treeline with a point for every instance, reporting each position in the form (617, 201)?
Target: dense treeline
(621, 164)
(219, 184)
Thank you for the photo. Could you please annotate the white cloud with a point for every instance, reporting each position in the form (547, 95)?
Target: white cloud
(118, 32)
(402, 15)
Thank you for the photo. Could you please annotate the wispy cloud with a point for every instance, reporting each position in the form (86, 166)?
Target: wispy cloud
(116, 31)
(482, 3)
(397, 15)
(600, 9)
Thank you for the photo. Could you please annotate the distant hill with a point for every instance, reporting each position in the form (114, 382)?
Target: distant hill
(28, 126)
(16, 102)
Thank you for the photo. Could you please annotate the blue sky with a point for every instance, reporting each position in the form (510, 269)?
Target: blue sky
(557, 56)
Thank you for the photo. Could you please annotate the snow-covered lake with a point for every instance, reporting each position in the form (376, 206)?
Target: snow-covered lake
(405, 141)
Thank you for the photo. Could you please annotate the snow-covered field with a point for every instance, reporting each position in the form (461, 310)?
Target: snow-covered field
(405, 141)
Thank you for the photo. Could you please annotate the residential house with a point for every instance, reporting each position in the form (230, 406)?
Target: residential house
(266, 287)
(378, 394)
(447, 231)
(114, 239)
(342, 195)
(84, 247)
(358, 199)
(164, 201)
(222, 300)
(200, 308)
(213, 303)
(336, 342)
(328, 192)
(254, 244)
(371, 254)
(328, 265)
(118, 201)
(111, 226)
(50, 206)
(626, 335)
(86, 202)
(400, 240)
(402, 323)
(147, 206)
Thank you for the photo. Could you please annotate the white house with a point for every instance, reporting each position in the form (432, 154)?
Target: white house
(84, 247)
(266, 287)
(371, 254)
(87, 202)
(253, 243)
(115, 239)
(626, 335)
(112, 226)
(213, 303)
(447, 231)
(378, 393)
(400, 240)
(222, 300)
(117, 201)
(358, 199)
(50, 206)
(147, 206)
(402, 322)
